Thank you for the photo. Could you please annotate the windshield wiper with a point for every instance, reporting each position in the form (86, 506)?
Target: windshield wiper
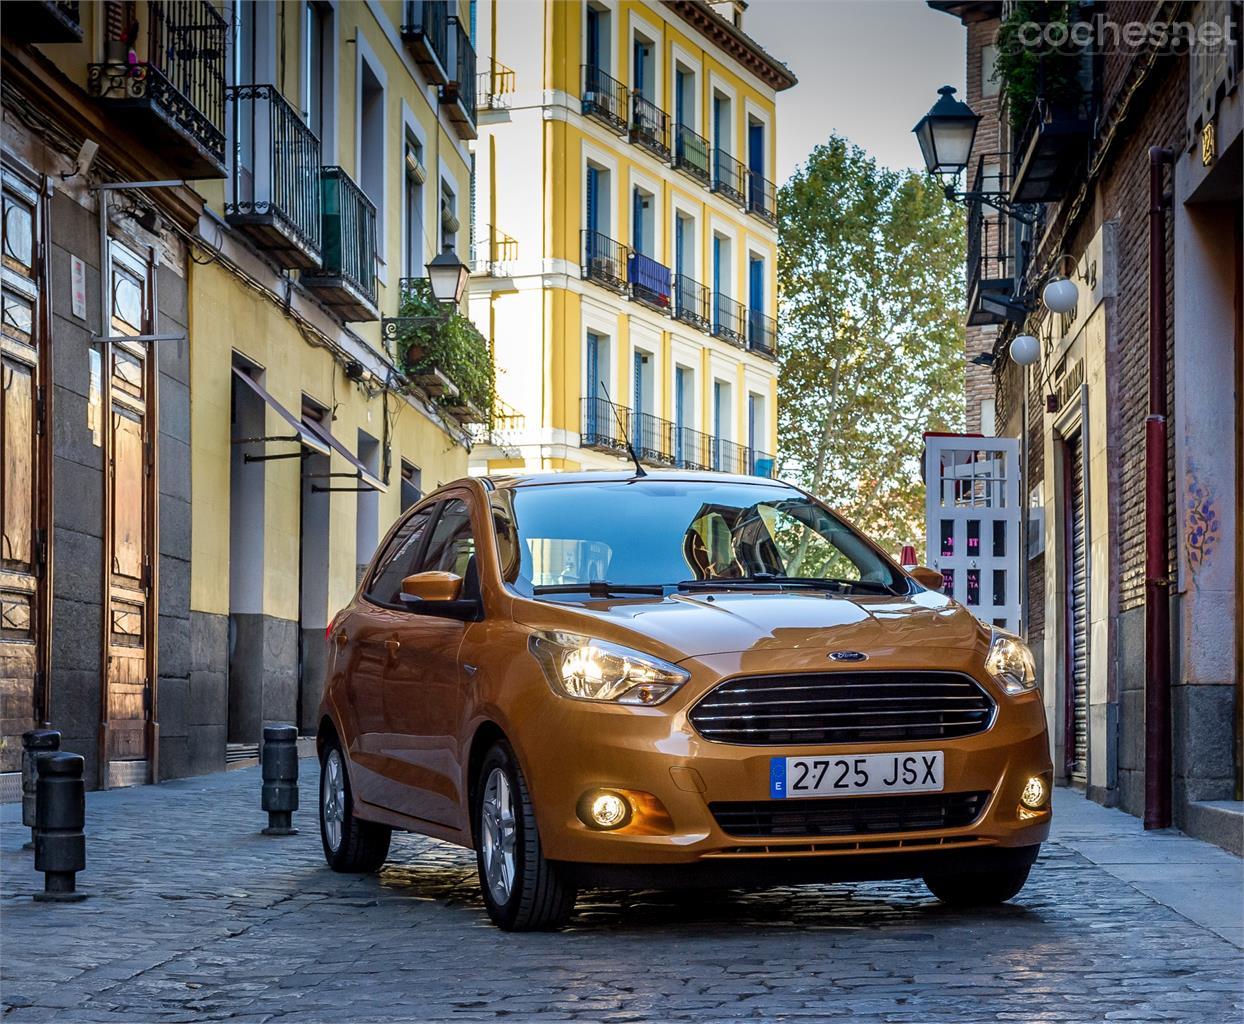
(770, 579)
(598, 588)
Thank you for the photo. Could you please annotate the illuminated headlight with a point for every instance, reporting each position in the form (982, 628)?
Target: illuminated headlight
(1010, 662)
(588, 669)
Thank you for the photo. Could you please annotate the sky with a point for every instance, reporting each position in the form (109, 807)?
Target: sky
(867, 69)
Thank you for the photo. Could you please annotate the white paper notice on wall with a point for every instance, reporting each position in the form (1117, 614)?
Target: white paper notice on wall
(77, 284)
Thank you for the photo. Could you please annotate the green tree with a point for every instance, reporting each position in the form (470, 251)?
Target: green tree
(870, 275)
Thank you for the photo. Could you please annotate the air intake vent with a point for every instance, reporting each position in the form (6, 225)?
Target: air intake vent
(849, 816)
(843, 707)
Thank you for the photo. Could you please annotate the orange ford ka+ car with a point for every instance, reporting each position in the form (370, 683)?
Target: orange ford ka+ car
(674, 679)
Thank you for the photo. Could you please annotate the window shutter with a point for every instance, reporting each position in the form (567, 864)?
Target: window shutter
(592, 184)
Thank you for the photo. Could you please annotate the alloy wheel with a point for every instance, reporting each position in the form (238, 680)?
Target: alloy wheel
(333, 799)
(498, 835)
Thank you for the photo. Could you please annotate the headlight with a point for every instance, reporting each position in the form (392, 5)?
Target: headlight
(587, 669)
(1010, 662)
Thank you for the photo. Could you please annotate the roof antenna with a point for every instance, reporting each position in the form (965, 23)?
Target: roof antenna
(630, 448)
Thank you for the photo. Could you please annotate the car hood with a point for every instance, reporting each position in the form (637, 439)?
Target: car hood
(724, 622)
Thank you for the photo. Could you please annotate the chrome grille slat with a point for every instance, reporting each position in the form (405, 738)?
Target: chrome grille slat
(843, 706)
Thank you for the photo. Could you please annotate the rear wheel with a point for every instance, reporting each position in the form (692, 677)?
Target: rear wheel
(522, 890)
(349, 844)
(978, 889)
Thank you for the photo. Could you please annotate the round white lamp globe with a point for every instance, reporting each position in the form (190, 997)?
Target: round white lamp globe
(1025, 349)
(1060, 295)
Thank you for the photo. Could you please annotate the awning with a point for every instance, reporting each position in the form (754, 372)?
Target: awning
(300, 431)
(364, 474)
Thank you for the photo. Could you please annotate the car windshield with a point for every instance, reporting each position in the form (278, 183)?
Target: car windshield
(646, 534)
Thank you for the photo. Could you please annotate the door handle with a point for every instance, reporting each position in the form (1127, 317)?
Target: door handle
(340, 639)
(392, 646)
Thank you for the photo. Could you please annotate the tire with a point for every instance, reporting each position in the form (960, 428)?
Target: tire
(524, 892)
(978, 889)
(361, 846)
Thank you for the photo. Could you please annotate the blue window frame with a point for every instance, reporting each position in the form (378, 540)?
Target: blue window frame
(593, 199)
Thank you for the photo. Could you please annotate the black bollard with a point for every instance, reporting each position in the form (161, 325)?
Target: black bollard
(60, 815)
(34, 742)
(280, 778)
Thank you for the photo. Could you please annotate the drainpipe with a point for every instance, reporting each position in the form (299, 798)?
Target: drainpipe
(1157, 531)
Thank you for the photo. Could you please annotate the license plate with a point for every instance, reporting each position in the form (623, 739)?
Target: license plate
(848, 774)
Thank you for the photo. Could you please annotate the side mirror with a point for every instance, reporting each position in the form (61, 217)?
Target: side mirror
(432, 586)
(928, 578)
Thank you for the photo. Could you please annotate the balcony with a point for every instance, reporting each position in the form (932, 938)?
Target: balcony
(728, 457)
(425, 32)
(346, 280)
(494, 255)
(760, 463)
(47, 21)
(1049, 150)
(650, 127)
(276, 177)
(606, 426)
(692, 449)
(762, 198)
(652, 437)
(494, 87)
(729, 321)
(691, 154)
(605, 261)
(604, 99)
(761, 334)
(458, 93)
(729, 177)
(691, 302)
(990, 263)
(649, 281)
(175, 100)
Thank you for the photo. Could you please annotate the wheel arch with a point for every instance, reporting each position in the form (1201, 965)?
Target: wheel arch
(487, 734)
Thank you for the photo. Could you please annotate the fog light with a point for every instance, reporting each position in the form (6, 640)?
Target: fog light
(1035, 793)
(604, 809)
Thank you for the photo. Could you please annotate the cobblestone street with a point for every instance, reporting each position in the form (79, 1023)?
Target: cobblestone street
(195, 916)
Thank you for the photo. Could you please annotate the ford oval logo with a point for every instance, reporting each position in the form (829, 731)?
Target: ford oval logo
(848, 656)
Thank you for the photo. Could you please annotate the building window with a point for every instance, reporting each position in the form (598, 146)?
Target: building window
(412, 207)
(684, 97)
(371, 145)
(989, 60)
(367, 508)
(643, 71)
(317, 63)
(756, 426)
(449, 217)
(684, 245)
(596, 43)
(721, 422)
(643, 239)
(756, 146)
(412, 484)
(723, 137)
(596, 365)
(988, 417)
(756, 285)
(643, 396)
(597, 204)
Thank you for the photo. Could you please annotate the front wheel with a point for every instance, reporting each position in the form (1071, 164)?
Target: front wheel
(349, 843)
(978, 889)
(522, 891)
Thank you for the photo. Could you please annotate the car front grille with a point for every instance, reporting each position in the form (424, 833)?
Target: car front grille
(848, 816)
(843, 707)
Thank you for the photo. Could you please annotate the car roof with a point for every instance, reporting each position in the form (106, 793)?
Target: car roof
(595, 476)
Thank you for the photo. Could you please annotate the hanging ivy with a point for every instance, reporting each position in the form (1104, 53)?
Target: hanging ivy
(454, 346)
(1040, 65)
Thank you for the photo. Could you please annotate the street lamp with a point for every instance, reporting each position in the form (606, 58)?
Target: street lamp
(448, 276)
(946, 134)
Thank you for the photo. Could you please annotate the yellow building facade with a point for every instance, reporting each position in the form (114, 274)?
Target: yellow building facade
(626, 240)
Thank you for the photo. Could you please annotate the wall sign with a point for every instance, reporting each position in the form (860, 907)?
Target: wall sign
(77, 285)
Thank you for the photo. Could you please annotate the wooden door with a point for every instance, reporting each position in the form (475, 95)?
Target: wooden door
(131, 509)
(24, 480)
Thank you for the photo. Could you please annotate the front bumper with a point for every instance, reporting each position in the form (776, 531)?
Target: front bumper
(656, 751)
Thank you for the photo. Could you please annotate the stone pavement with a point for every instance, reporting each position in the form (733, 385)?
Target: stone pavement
(195, 916)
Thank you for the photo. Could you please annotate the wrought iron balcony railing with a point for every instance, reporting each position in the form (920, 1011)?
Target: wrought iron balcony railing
(346, 280)
(605, 261)
(728, 457)
(761, 197)
(692, 449)
(458, 92)
(691, 302)
(605, 425)
(650, 126)
(649, 280)
(425, 31)
(729, 177)
(176, 98)
(990, 255)
(760, 463)
(604, 98)
(494, 255)
(761, 333)
(46, 21)
(729, 320)
(652, 437)
(691, 154)
(276, 176)
(494, 86)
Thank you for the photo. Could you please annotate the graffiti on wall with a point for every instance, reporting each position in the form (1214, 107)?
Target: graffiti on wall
(1201, 522)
